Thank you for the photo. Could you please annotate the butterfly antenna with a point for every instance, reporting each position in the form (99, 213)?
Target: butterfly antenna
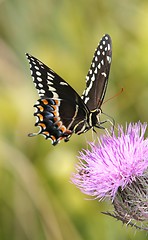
(111, 120)
(116, 95)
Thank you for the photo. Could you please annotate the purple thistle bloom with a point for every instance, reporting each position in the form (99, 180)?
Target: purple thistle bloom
(117, 168)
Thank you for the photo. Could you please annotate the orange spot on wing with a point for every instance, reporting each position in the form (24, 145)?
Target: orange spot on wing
(63, 128)
(40, 108)
(45, 101)
(56, 118)
(56, 102)
(53, 138)
(60, 138)
(69, 132)
(42, 125)
(59, 124)
(55, 107)
(46, 133)
(40, 117)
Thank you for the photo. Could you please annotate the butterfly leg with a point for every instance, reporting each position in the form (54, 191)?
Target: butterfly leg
(99, 125)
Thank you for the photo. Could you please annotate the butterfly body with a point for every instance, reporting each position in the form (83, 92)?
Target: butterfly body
(60, 111)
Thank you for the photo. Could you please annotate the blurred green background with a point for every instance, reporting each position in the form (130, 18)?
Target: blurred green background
(37, 200)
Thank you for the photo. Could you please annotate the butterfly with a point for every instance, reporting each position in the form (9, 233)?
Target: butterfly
(60, 111)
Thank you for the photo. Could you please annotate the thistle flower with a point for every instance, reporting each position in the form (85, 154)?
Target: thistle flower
(117, 168)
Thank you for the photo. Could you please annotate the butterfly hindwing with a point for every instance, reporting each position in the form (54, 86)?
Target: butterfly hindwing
(97, 77)
(49, 121)
(58, 119)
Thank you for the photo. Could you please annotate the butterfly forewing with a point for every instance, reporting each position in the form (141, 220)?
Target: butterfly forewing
(97, 77)
(48, 83)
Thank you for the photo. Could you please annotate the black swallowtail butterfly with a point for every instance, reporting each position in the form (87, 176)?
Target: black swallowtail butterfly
(60, 111)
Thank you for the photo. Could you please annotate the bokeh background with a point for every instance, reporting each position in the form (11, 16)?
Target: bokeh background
(37, 200)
